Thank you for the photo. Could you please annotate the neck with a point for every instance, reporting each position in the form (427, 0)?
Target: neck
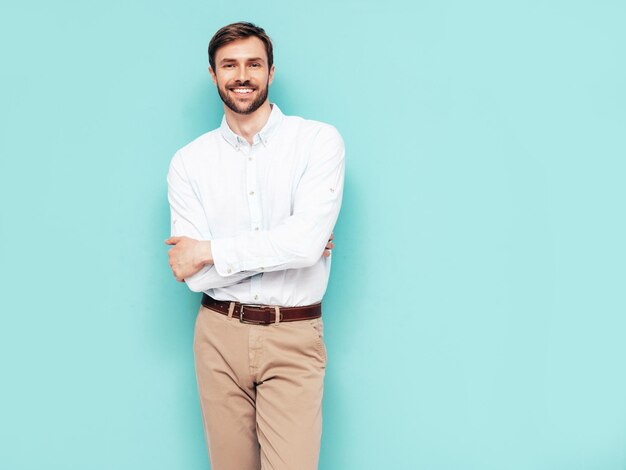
(248, 125)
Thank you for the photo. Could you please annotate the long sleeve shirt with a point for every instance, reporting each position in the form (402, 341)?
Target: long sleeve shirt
(268, 208)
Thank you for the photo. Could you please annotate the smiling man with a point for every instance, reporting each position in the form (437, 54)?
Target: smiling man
(253, 205)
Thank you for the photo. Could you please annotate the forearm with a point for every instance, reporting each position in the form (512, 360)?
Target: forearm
(297, 243)
(192, 261)
(208, 278)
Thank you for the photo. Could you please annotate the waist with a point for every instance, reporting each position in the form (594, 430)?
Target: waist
(289, 288)
(262, 314)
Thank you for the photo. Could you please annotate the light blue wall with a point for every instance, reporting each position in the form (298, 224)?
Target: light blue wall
(476, 314)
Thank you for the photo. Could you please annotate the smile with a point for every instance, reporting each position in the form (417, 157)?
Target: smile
(242, 91)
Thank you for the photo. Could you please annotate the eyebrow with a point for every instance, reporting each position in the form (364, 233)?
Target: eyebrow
(252, 59)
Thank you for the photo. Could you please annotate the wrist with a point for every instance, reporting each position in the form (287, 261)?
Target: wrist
(205, 254)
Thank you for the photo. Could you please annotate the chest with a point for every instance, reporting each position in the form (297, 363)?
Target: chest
(252, 188)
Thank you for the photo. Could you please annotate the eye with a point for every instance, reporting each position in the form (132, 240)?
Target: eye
(229, 66)
(255, 64)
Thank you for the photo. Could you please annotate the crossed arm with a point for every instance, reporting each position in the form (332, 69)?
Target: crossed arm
(188, 256)
(204, 262)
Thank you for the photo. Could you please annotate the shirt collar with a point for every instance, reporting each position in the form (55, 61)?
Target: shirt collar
(276, 116)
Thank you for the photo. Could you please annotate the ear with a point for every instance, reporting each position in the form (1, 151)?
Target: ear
(271, 77)
(213, 76)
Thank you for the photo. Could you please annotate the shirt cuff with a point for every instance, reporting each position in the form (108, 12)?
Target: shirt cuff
(225, 257)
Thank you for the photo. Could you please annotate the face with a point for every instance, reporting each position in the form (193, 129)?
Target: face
(241, 75)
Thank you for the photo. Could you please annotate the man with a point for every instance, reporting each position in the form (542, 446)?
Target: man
(253, 205)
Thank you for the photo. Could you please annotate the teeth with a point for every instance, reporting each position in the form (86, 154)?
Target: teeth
(242, 90)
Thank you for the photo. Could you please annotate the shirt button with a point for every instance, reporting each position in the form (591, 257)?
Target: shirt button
(251, 193)
(256, 228)
(229, 271)
(250, 158)
(256, 297)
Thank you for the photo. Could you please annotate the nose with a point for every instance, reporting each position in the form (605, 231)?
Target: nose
(243, 74)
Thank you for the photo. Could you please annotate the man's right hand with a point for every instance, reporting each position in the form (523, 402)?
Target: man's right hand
(188, 256)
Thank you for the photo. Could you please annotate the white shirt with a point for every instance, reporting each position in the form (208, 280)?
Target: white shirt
(268, 208)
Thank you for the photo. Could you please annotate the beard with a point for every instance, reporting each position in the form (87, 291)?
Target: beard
(246, 108)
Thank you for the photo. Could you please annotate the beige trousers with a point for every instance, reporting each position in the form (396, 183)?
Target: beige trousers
(261, 391)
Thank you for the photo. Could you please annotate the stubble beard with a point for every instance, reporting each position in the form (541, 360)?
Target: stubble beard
(252, 107)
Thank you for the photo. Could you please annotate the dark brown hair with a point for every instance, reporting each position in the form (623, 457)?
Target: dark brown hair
(235, 31)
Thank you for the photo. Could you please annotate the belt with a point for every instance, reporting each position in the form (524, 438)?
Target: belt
(262, 314)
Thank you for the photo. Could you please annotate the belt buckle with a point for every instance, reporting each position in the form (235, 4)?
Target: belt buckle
(251, 322)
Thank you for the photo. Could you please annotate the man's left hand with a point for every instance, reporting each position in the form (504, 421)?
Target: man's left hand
(329, 246)
(188, 256)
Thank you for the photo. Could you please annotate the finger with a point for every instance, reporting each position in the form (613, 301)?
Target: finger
(172, 240)
(332, 236)
(326, 253)
(330, 245)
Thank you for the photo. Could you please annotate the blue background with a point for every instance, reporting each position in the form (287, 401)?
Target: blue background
(476, 313)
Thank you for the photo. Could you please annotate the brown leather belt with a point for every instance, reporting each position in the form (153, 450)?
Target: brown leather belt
(263, 314)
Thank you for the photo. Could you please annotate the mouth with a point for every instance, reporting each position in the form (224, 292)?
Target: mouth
(241, 91)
